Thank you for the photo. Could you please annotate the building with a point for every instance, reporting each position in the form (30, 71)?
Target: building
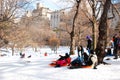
(37, 18)
(39, 11)
(55, 19)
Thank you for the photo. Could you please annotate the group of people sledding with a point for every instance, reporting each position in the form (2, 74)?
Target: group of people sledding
(82, 61)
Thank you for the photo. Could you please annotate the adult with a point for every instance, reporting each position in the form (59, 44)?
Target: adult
(80, 50)
(92, 60)
(63, 60)
(115, 42)
(89, 43)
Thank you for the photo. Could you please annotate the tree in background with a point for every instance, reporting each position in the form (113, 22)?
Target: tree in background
(37, 26)
(72, 33)
(54, 44)
(18, 38)
(10, 11)
(103, 26)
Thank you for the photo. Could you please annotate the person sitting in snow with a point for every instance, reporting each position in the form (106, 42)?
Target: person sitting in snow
(92, 60)
(63, 60)
(64, 57)
(80, 50)
(29, 56)
(22, 55)
(78, 62)
(85, 57)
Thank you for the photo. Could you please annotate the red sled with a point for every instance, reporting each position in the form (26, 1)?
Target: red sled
(61, 62)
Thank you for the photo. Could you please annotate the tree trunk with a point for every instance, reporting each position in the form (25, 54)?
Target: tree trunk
(94, 24)
(72, 34)
(102, 39)
(94, 35)
(72, 46)
(12, 50)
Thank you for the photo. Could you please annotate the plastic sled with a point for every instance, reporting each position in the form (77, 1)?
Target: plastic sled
(83, 66)
(60, 63)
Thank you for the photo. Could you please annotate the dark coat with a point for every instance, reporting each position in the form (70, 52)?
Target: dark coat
(89, 43)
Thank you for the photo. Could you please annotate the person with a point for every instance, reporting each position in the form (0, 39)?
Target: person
(23, 55)
(80, 49)
(29, 56)
(80, 52)
(92, 60)
(118, 41)
(86, 56)
(64, 57)
(89, 43)
(115, 49)
(20, 53)
(109, 52)
(76, 63)
(45, 54)
(63, 60)
(109, 48)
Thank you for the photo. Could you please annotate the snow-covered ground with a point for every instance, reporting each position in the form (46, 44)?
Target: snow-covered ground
(37, 67)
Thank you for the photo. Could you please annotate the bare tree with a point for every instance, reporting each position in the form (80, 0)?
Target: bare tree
(10, 10)
(72, 33)
(103, 26)
(92, 10)
(54, 44)
(18, 38)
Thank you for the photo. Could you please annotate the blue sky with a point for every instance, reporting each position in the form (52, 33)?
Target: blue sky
(115, 1)
(52, 4)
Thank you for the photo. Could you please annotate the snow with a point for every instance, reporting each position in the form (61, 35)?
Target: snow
(37, 67)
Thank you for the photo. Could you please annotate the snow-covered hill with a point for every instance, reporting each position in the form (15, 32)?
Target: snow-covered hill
(37, 67)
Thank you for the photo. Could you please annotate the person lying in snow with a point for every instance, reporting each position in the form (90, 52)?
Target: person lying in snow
(89, 61)
(62, 61)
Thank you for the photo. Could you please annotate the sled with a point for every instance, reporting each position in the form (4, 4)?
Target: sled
(53, 64)
(78, 64)
(60, 63)
(75, 67)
